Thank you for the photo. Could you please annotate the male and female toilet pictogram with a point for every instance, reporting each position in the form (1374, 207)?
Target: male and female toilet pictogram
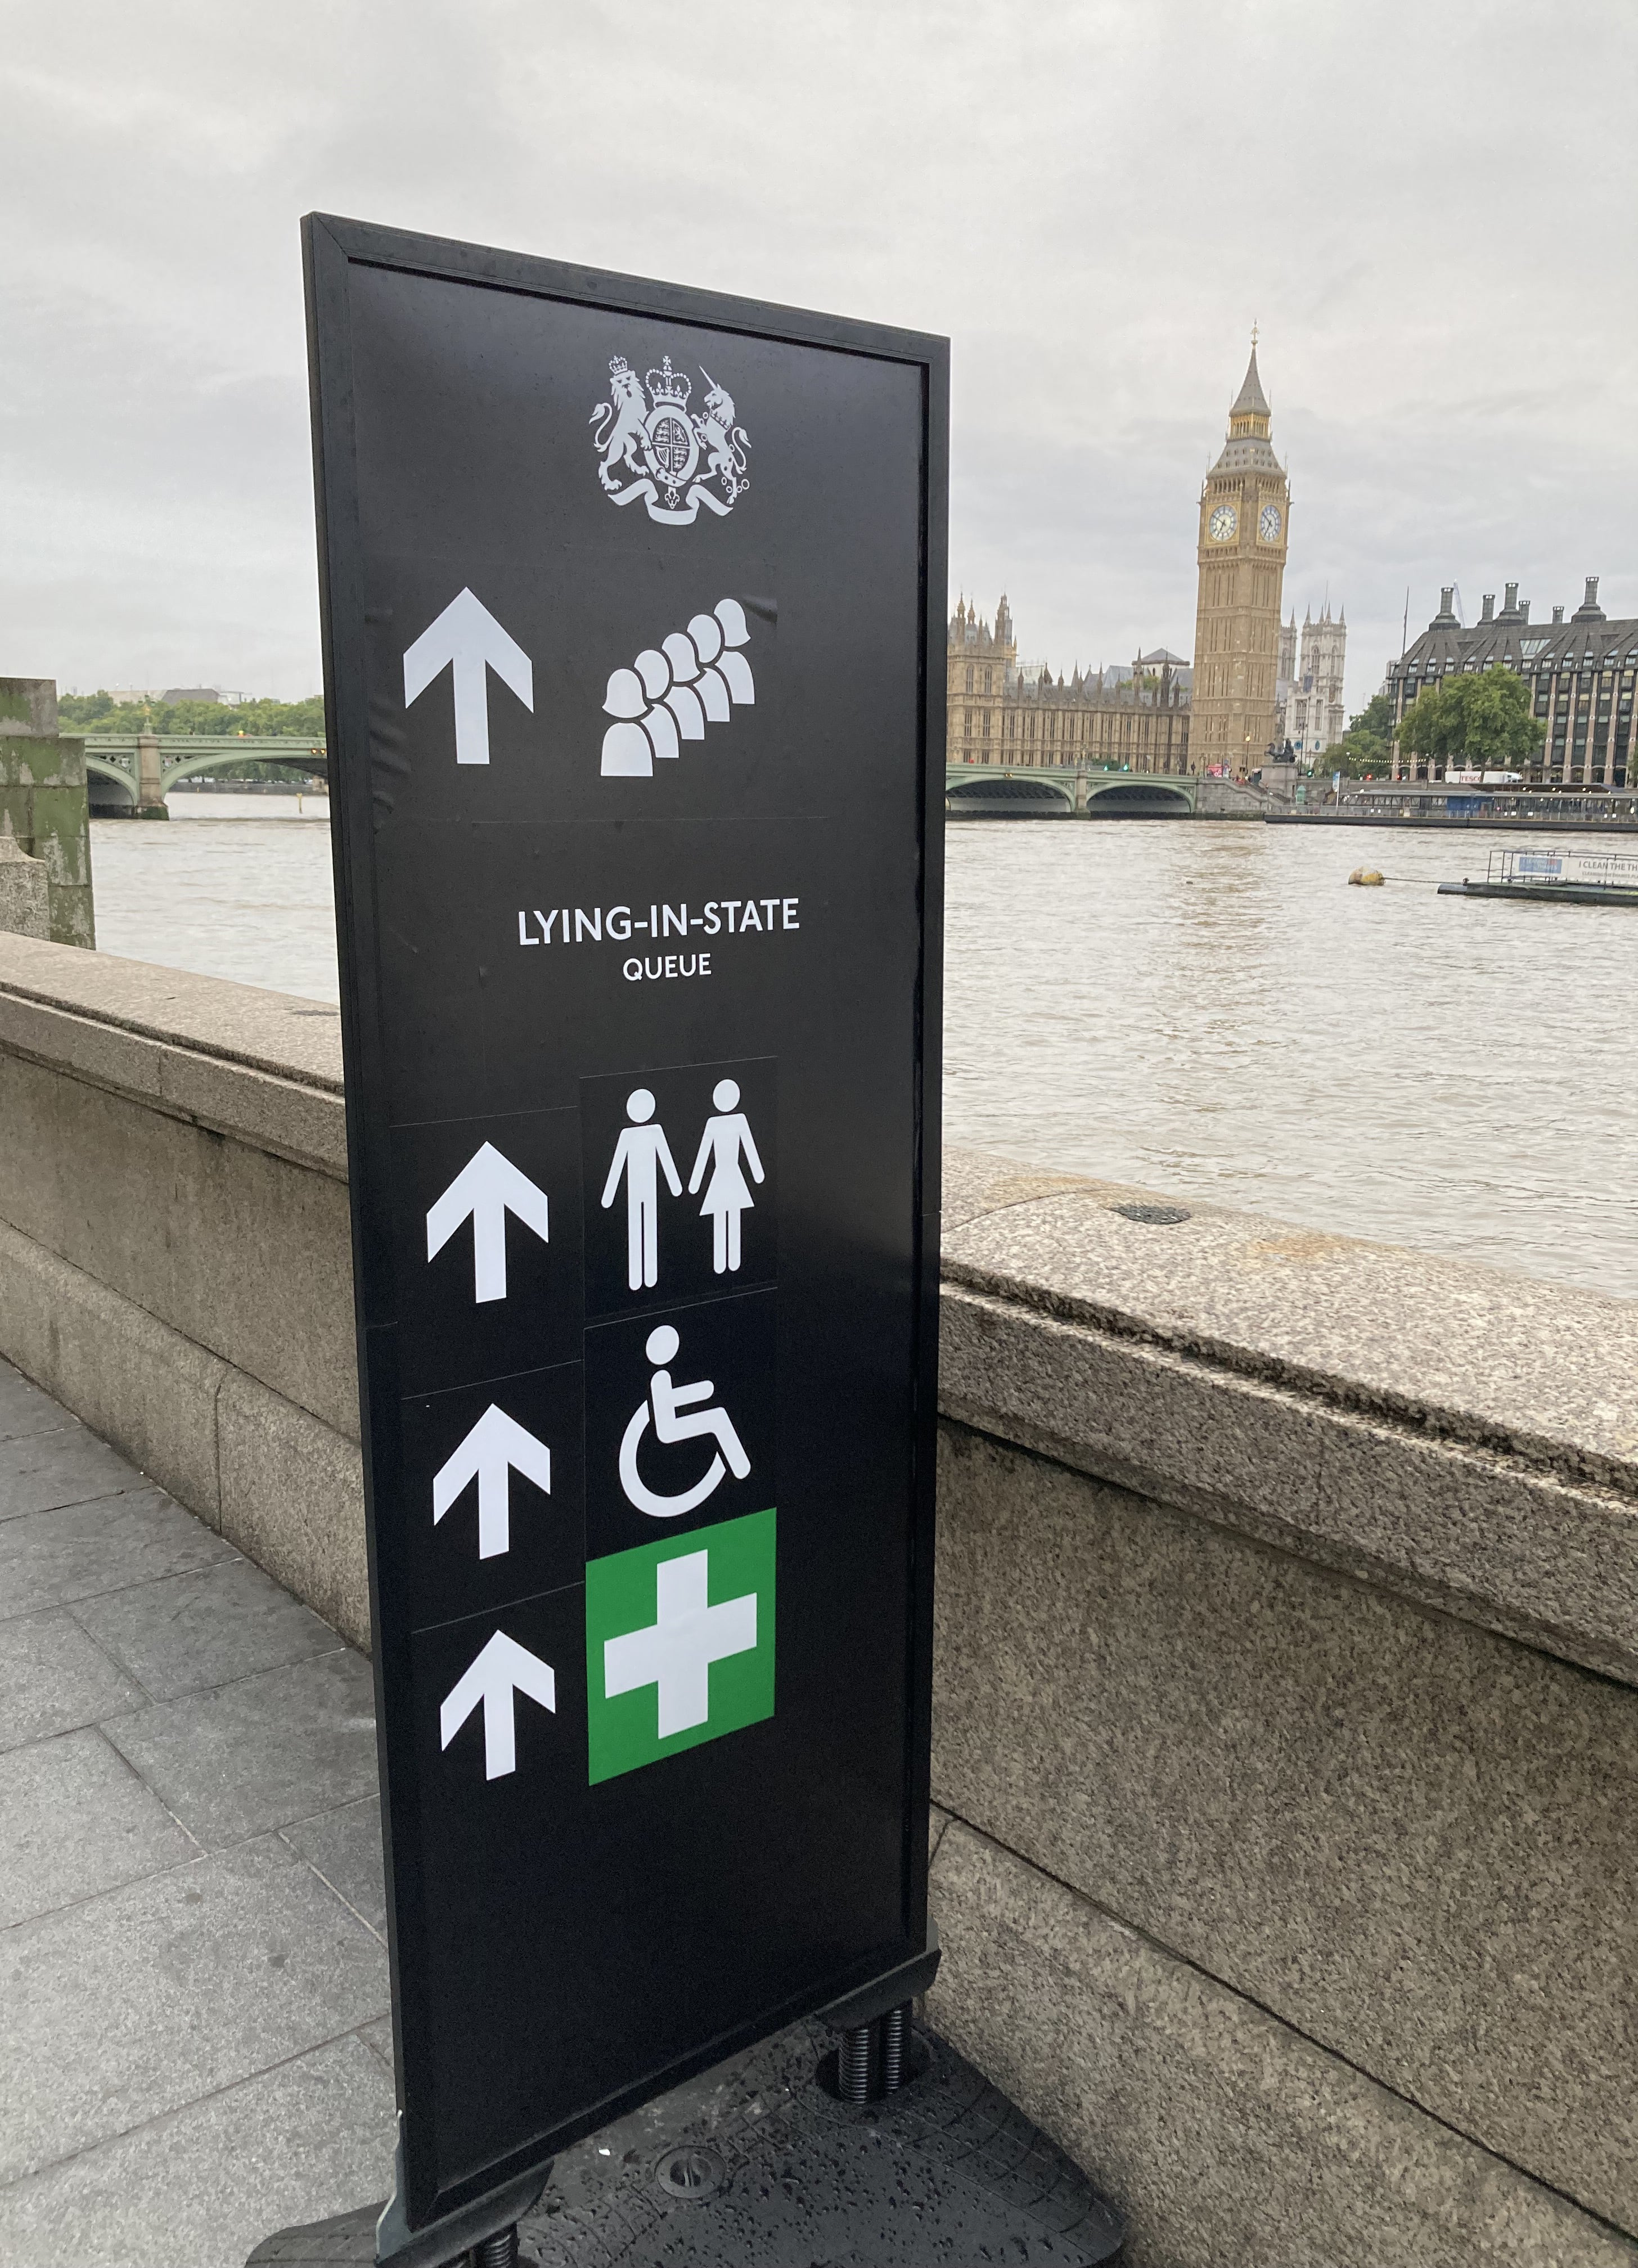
(643, 1153)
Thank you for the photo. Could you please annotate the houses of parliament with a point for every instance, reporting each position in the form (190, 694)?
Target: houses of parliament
(1248, 686)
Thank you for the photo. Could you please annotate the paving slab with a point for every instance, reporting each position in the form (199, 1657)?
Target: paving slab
(201, 2187)
(186, 1632)
(378, 2037)
(76, 1820)
(134, 2004)
(65, 1465)
(194, 2048)
(49, 1557)
(237, 1759)
(53, 1677)
(26, 1409)
(345, 1846)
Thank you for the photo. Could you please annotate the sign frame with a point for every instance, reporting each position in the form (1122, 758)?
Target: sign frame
(424, 2217)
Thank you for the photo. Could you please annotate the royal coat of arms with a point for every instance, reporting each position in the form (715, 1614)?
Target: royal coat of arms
(676, 459)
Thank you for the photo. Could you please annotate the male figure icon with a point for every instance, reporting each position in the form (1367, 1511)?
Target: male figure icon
(725, 1138)
(666, 1403)
(641, 1155)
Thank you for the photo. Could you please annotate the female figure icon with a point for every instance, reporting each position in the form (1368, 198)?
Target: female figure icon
(727, 1137)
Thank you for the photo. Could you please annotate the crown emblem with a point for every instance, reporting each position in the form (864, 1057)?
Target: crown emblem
(657, 452)
(667, 385)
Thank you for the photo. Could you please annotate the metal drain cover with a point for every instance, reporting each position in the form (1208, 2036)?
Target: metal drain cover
(1156, 1216)
(696, 2170)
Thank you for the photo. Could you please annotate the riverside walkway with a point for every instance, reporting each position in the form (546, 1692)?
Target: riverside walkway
(194, 1976)
(192, 1965)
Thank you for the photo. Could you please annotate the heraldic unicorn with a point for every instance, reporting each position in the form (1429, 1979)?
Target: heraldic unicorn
(676, 458)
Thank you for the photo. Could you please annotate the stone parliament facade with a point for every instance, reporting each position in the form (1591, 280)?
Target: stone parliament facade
(1244, 692)
(1001, 714)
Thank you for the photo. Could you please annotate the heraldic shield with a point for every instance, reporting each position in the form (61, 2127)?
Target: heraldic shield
(676, 460)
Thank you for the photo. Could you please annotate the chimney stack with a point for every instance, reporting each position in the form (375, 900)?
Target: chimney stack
(1487, 612)
(1558, 613)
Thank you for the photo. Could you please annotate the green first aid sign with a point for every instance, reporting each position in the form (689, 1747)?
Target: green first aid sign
(679, 1642)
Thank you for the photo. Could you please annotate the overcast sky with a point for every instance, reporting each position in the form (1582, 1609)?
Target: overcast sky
(1428, 207)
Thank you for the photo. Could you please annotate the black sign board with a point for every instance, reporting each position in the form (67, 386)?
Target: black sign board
(633, 601)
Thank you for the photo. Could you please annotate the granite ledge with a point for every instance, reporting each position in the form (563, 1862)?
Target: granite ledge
(245, 1062)
(1543, 1373)
(279, 1033)
(1550, 1562)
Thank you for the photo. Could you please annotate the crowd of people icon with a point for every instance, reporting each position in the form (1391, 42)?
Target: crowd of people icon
(642, 1155)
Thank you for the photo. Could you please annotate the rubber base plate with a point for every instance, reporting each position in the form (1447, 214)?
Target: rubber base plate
(758, 2165)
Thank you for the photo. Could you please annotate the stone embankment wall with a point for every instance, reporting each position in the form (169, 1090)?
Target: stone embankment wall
(1286, 1723)
(1226, 799)
(43, 809)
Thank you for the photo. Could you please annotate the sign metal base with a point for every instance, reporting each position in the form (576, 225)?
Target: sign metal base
(759, 2164)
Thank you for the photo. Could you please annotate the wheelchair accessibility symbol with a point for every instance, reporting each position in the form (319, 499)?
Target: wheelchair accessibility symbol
(671, 1411)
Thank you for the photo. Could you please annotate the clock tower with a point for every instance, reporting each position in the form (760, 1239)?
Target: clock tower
(1244, 523)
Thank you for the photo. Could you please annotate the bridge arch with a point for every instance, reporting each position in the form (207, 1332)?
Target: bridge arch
(310, 760)
(109, 788)
(1137, 799)
(1004, 797)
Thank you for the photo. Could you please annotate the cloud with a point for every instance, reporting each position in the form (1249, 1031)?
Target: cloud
(1425, 211)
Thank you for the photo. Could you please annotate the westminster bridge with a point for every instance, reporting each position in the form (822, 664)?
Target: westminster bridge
(1087, 791)
(131, 773)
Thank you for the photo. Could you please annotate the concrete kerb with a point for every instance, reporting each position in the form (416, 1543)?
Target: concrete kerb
(142, 1387)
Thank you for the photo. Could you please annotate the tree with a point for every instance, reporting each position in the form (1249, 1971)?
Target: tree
(1367, 747)
(96, 712)
(1479, 721)
(85, 710)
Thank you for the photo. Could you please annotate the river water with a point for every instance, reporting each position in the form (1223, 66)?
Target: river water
(1206, 1009)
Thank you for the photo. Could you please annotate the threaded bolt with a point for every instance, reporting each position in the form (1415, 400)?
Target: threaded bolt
(894, 2038)
(500, 2251)
(853, 2063)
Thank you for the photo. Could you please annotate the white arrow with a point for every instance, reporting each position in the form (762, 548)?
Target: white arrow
(503, 1668)
(468, 635)
(496, 1446)
(488, 1187)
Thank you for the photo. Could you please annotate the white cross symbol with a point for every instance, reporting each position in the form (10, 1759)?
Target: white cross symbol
(676, 1653)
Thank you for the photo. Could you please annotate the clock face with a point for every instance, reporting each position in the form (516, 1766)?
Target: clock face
(1269, 523)
(1224, 521)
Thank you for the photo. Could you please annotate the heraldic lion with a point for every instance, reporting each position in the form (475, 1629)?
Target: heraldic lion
(622, 443)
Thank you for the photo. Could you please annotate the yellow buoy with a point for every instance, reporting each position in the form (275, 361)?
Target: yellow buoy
(1367, 878)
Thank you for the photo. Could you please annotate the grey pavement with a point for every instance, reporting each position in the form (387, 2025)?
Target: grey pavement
(193, 1974)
